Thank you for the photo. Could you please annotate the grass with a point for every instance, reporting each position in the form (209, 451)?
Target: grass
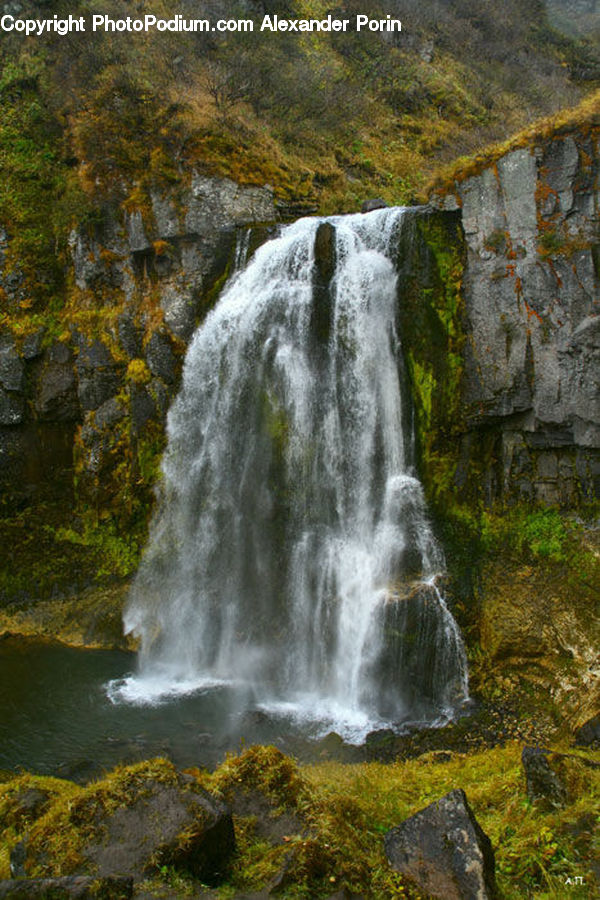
(344, 811)
(583, 118)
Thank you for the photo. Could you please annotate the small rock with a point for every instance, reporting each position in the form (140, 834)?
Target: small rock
(32, 344)
(543, 783)
(17, 860)
(589, 733)
(72, 887)
(443, 851)
(371, 205)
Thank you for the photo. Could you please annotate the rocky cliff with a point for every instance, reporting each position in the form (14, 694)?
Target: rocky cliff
(531, 286)
(89, 387)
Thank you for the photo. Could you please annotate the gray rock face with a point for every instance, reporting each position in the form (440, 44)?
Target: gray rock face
(152, 272)
(532, 297)
(165, 825)
(443, 851)
(588, 735)
(98, 378)
(160, 357)
(219, 203)
(56, 394)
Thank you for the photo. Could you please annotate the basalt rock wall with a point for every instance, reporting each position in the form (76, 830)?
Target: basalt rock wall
(530, 387)
(87, 391)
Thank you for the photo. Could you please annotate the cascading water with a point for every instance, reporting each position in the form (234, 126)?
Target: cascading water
(291, 549)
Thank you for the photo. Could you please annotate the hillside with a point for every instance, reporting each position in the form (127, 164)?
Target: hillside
(94, 119)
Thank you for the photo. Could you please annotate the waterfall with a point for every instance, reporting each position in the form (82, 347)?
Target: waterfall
(291, 549)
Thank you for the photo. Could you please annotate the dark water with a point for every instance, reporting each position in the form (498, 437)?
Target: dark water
(56, 718)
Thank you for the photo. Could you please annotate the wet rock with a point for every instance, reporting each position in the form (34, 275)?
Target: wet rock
(12, 408)
(325, 255)
(322, 307)
(160, 357)
(32, 344)
(588, 735)
(12, 374)
(544, 785)
(56, 398)
(73, 887)
(130, 338)
(443, 851)
(371, 205)
(98, 377)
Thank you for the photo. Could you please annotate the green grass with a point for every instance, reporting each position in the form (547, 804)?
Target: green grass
(345, 810)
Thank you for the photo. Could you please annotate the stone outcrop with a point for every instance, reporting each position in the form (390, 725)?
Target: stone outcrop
(531, 289)
(137, 820)
(443, 851)
(140, 281)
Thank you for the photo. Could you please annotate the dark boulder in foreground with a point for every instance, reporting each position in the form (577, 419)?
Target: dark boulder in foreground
(168, 825)
(443, 851)
(133, 822)
(543, 783)
(71, 887)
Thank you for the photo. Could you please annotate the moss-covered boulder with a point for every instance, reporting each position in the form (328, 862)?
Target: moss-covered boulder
(138, 819)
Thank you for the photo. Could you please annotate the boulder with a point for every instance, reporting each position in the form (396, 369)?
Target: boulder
(371, 205)
(137, 820)
(544, 785)
(12, 408)
(71, 887)
(588, 735)
(12, 377)
(443, 851)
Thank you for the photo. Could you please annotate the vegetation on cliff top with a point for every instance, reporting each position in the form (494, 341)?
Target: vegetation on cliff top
(330, 119)
(583, 118)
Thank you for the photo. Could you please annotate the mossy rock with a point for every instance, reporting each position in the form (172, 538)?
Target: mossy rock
(135, 821)
(92, 619)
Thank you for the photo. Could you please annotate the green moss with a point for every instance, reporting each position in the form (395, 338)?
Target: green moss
(138, 372)
(262, 768)
(433, 337)
(57, 840)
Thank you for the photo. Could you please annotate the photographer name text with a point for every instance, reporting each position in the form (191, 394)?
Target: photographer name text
(178, 23)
